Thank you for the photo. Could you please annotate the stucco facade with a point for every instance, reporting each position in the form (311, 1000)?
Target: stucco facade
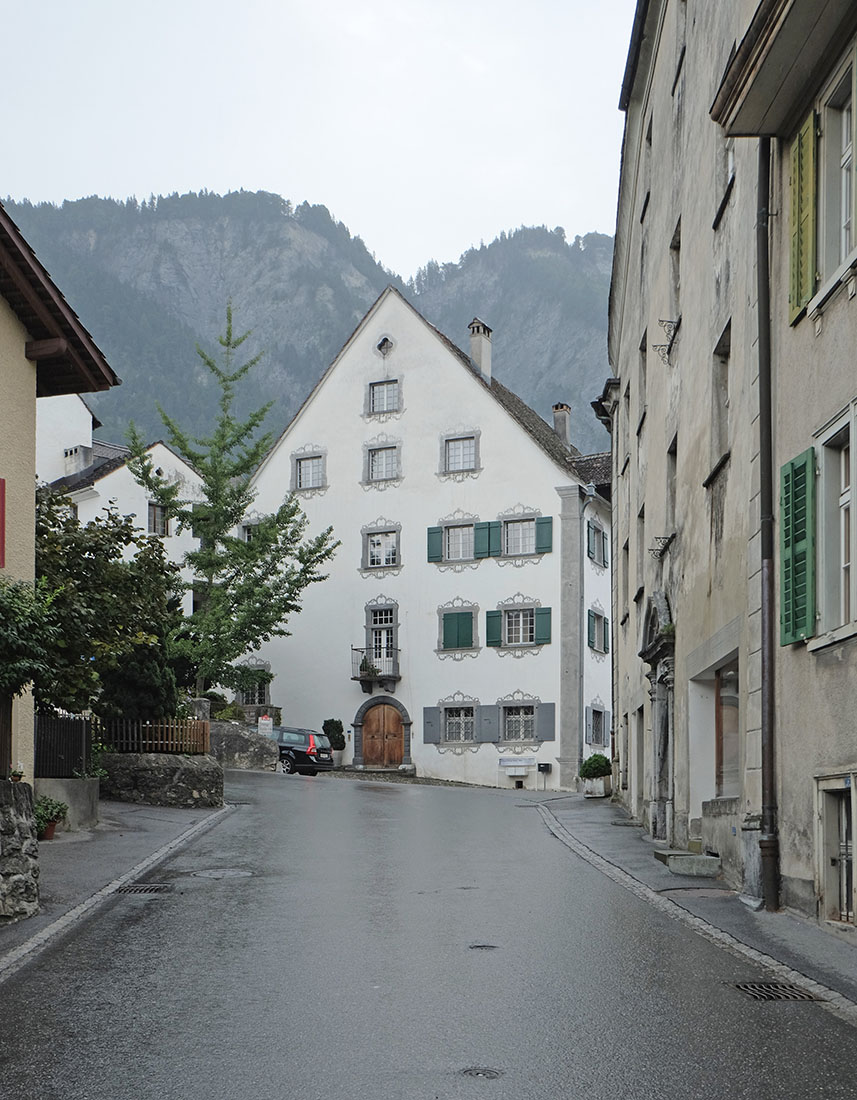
(727, 735)
(474, 654)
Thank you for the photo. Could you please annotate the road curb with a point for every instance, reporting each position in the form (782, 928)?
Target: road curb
(835, 1003)
(22, 954)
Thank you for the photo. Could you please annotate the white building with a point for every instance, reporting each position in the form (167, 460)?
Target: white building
(463, 630)
(94, 475)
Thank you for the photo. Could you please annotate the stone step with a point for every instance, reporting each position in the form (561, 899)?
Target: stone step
(695, 845)
(680, 862)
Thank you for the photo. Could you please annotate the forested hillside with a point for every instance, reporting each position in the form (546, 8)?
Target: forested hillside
(151, 280)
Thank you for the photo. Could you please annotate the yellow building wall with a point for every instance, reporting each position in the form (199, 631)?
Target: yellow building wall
(17, 467)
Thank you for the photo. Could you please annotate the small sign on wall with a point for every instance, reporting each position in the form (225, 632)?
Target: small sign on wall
(266, 726)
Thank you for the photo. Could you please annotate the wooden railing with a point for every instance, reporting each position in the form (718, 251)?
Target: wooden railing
(63, 743)
(170, 735)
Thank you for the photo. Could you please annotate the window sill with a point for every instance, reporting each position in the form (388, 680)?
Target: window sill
(507, 650)
(458, 654)
(382, 483)
(311, 491)
(719, 465)
(832, 637)
(846, 273)
(459, 475)
(724, 202)
(638, 595)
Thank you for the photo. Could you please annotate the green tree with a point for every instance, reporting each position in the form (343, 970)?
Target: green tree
(113, 597)
(28, 635)
(244, 590)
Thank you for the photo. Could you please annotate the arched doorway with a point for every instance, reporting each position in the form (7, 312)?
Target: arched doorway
(382, 734)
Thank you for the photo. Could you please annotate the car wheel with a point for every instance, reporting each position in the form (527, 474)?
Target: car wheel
(288, 766)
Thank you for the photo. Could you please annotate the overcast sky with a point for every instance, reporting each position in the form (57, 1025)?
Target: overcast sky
(424, 125)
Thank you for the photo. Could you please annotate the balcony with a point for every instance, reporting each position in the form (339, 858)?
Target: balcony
(369, 668)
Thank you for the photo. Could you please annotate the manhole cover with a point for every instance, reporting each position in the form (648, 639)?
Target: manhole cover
(145, 888)
(222, 872)
(483, 1072)
(483, 947)
(772, 991)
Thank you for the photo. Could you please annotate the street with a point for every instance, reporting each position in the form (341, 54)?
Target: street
(350, 940)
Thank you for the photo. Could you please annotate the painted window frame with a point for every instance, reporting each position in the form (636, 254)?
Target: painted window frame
(307, 455)
(597, 543)
(157, 522)
(836, 524)
(597, 631)
(445, 470)
(369, 533)
(596, 709)
(497, 624)
(388, 386)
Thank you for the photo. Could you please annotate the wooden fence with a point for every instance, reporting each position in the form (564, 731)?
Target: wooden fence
(63, 744)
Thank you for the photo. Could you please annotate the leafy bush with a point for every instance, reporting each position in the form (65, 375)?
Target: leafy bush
(232, 712)
(332, 729)
(596, 766)
(47, 810)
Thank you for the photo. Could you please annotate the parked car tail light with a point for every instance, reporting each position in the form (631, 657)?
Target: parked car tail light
(311, 747)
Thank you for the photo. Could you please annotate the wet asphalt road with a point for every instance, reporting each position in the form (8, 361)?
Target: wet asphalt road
(379, 941)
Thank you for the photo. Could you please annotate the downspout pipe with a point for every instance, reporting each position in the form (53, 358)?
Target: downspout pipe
(769, 839)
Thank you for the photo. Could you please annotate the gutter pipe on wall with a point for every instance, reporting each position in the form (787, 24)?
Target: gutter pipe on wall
(769, 840)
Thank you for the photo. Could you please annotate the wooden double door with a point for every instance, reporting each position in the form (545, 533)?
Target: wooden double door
(383, 737)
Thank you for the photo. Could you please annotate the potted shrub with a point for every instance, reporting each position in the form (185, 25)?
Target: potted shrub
(596, 772)
(332, 729)
(47, 812)
(17, 773)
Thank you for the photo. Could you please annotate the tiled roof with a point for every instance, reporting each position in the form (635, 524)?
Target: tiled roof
(83, 479)
(597, 469)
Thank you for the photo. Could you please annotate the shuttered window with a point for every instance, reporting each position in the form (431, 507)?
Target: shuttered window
(458, 630)
(803, 217)
(797, 548)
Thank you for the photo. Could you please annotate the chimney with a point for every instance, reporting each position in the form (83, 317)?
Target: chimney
(480, 347)
(562, 423)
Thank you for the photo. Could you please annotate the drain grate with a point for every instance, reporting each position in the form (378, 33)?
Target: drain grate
(772, 991)
(483, 947)
(484, 1072)
(145, 888)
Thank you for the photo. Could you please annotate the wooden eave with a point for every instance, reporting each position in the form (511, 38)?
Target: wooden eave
(789, 47)
(67, 358)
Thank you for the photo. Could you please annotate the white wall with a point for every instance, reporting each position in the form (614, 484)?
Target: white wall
(61, 422)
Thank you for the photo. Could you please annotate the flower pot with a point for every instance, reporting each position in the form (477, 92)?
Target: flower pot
(597, 788)
(337, 757)
(48, 832)
(16, 778)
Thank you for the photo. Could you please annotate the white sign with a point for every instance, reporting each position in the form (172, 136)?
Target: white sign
(266, 726)
(516, 761)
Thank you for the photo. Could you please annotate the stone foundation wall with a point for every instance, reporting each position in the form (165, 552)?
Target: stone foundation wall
(19, 853)
(81, 797)
(162, 779)
(239, 747)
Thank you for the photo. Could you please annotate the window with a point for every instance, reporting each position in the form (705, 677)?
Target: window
(726, 743)
(383, 463)
(797, 549)
(381, 637)
(384, 396)
(597, 543)
(255, 696)
(525, 625)
(458, 724)
(720, 437)
(519, 723)
(822, 190)
(382, 549)
(836, 527)
(672, 481)
(458, 542)
(598, 727)
(598, 631)
(310, 472)
(460, 454)
(158, 522)
(248, 531)
(519, 537)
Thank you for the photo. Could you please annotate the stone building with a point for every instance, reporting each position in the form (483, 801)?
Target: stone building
(731, 405)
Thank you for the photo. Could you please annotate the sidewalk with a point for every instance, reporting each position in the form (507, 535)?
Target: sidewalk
(76, 868)
(820, 952)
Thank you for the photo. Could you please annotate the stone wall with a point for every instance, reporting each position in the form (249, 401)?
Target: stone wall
(236, 746)
(19, 853)
(162, 779)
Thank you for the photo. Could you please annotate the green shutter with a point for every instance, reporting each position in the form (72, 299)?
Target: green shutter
(458, 630)
(435, 544)
(494, 538)
(797, 548)
(606, 634)
(803, 218)
(543, 625)
(544, 534)
(493, 627)
(481, 540)
(590, 539)
(605, 548)
(590, 628)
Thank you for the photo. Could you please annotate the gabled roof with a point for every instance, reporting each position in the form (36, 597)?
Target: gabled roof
(538, 429)
(66, 357)
(95, 471)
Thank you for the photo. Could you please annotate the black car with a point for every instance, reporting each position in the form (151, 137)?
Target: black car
(302, 751)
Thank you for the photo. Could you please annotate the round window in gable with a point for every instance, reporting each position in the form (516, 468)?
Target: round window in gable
(385, 346)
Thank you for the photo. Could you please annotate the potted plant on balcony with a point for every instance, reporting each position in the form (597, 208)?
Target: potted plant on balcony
(47, 812)
(332, 728)
(596, 772)
(17, 773)
(368, 671)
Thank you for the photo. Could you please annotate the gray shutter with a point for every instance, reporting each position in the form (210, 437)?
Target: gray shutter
(546, 721)
(431, 725)
(607, 738)
(544, 534)
(590, 539)
(588, 725)
(487, 723)
(605, 551)
(435, 544)
(606, 634)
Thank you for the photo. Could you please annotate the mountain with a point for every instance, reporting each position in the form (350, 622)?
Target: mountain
(151, 280)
